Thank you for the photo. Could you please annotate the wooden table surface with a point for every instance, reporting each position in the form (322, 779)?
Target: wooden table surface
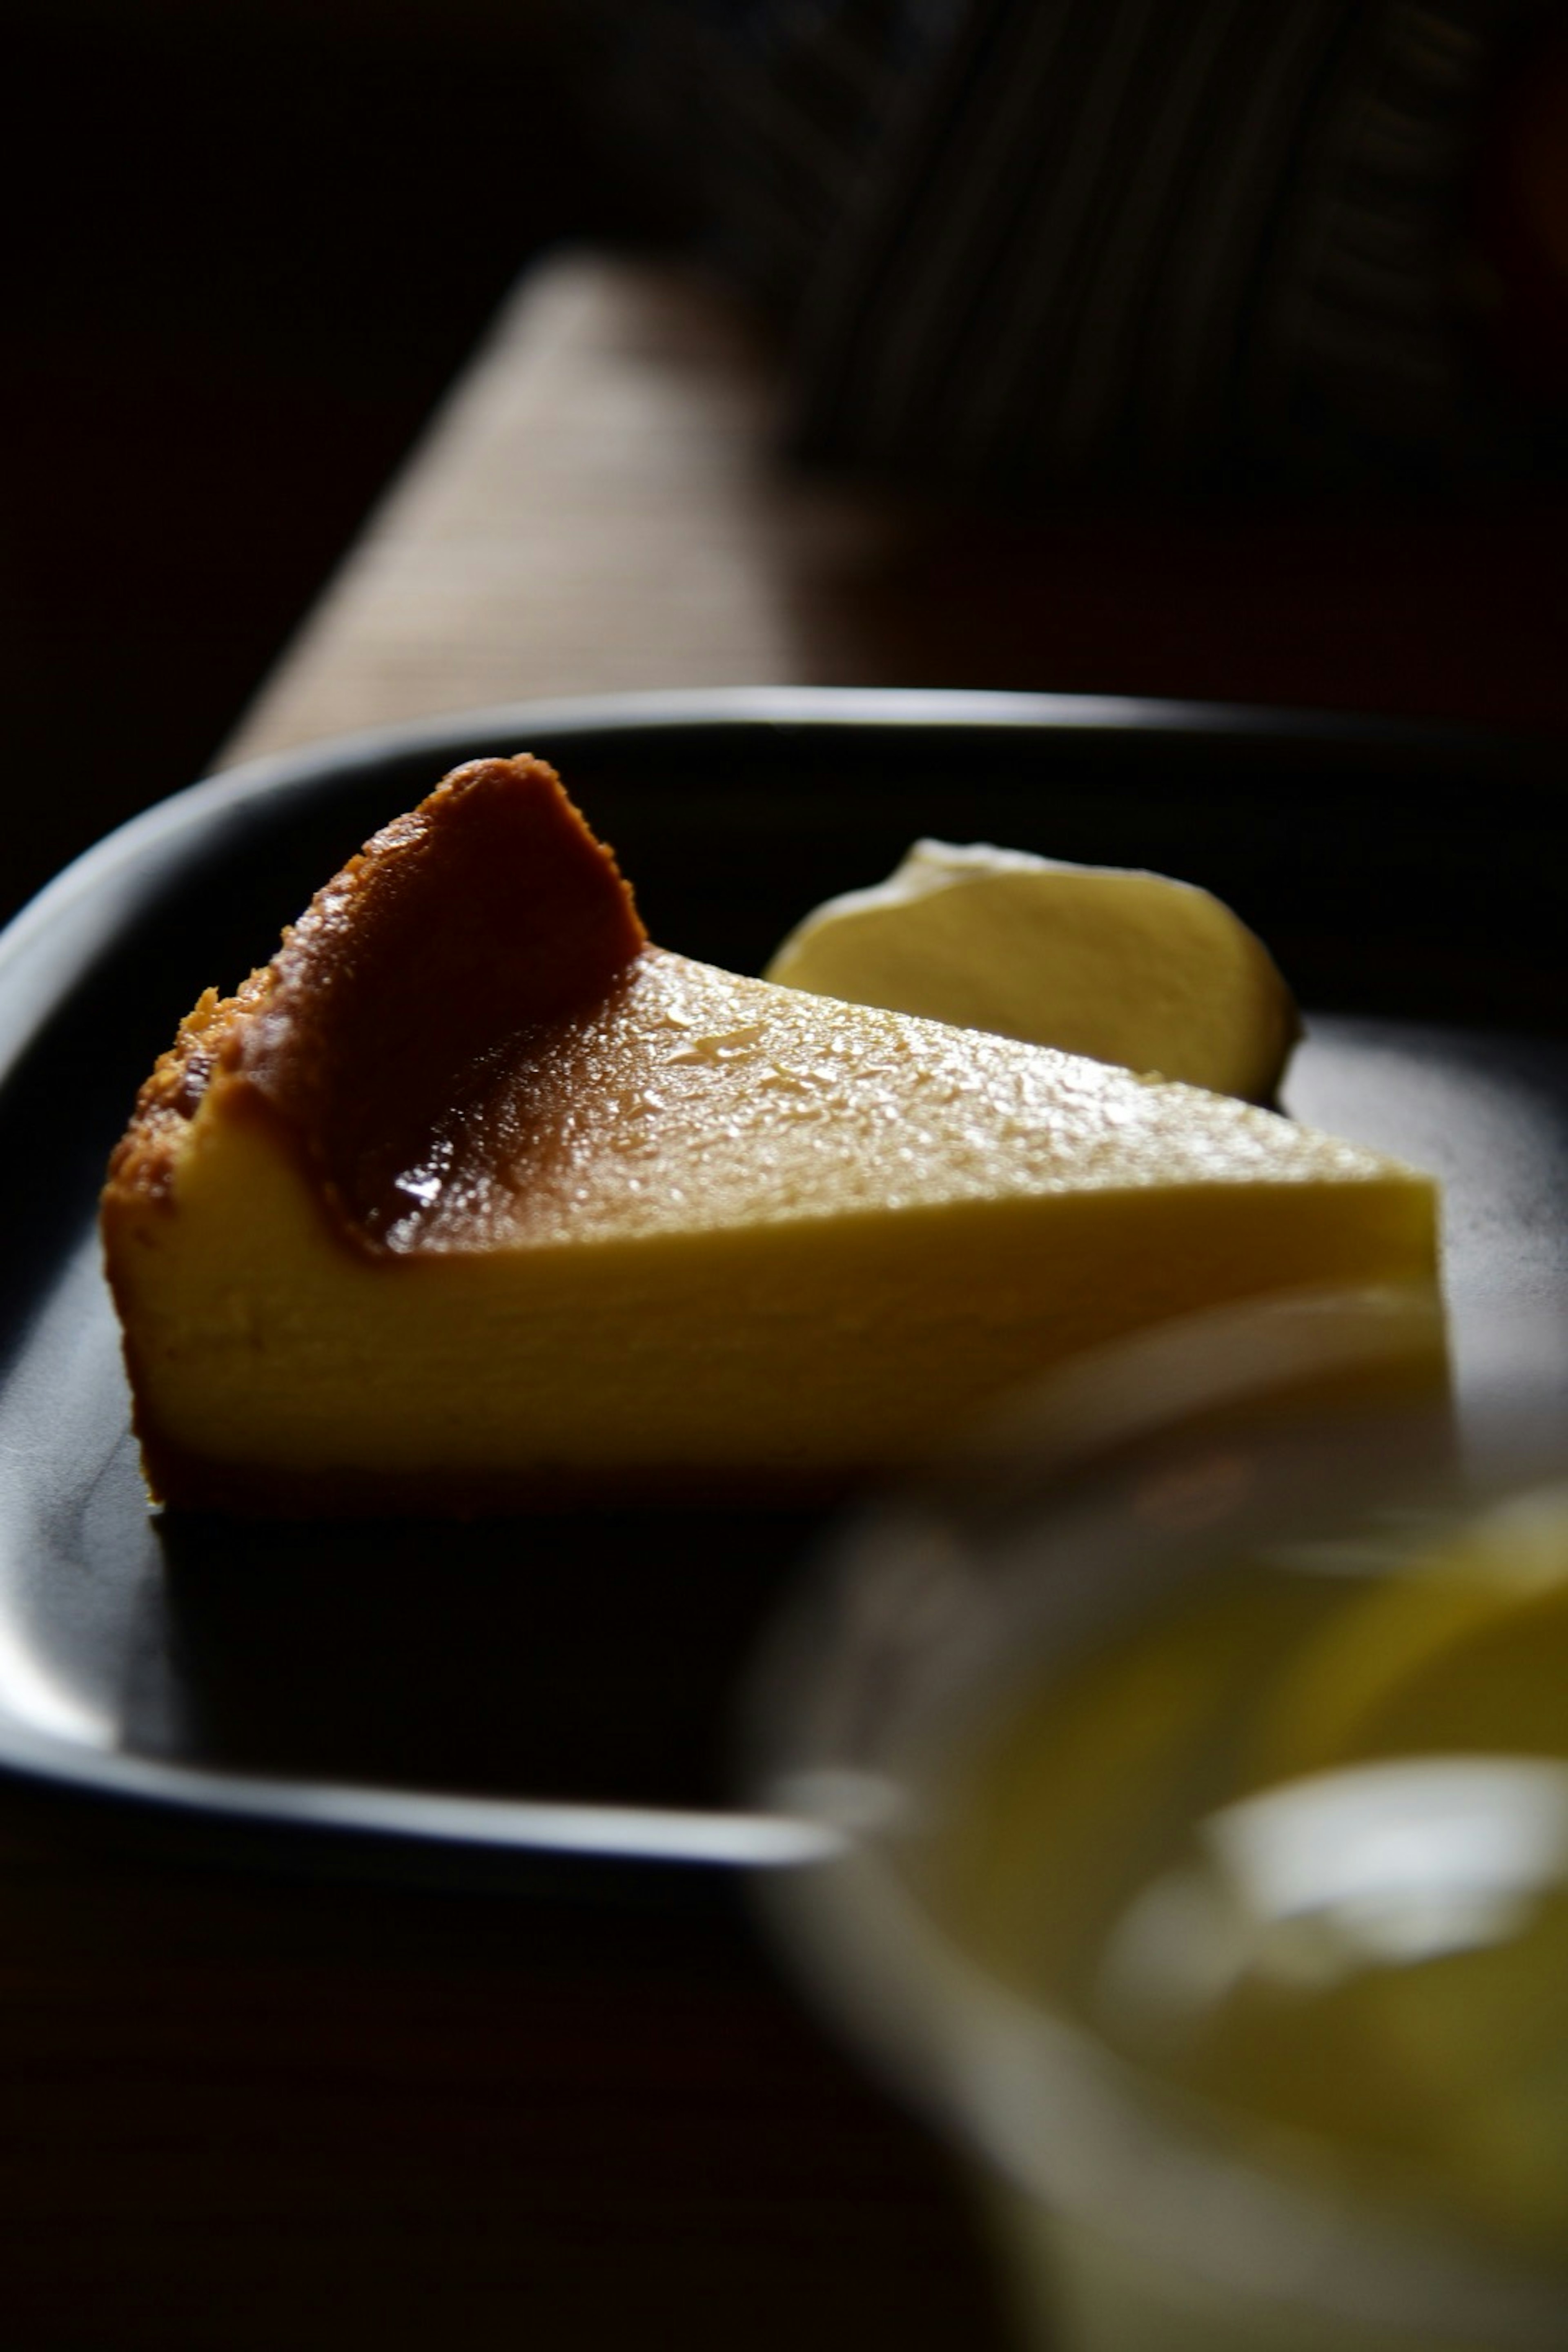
(244, 2110)
(599, 508)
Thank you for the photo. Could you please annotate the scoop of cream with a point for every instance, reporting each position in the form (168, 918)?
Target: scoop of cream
(1125, 966)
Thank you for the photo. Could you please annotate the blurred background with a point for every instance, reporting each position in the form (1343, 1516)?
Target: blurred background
(251, 245)
(255, 246)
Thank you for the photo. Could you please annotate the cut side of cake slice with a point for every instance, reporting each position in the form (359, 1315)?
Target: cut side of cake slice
(474, 1199)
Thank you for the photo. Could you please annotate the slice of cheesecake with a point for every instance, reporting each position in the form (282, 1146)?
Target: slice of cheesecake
(473, 1198)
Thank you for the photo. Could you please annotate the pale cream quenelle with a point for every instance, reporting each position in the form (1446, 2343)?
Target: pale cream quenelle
(1125, 966)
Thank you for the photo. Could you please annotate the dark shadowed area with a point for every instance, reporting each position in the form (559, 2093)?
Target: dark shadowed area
(250, 246)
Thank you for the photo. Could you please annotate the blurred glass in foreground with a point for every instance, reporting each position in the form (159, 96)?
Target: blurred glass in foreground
(1200, 1750)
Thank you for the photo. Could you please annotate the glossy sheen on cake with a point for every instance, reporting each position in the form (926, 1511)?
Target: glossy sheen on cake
(473, 1198)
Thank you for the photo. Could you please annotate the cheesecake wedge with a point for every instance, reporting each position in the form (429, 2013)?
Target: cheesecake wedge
(473, 1198)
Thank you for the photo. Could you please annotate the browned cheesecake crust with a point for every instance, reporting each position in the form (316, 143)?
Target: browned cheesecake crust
(372, 1024)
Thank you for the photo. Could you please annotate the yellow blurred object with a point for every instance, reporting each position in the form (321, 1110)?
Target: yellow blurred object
(1463, 1648)
(1297, 1846)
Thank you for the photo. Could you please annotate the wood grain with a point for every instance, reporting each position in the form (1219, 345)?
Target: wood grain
(602, 505)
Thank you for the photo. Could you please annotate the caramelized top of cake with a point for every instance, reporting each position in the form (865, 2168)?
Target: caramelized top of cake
(687, 1098)
(488, 913)
(469, 1045)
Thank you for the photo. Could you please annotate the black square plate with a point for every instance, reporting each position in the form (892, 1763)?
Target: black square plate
(542, 1694)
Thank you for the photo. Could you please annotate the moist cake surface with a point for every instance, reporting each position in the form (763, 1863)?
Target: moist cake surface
(687, 1097)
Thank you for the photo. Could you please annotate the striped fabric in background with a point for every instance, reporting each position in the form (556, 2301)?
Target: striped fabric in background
(1049, 243)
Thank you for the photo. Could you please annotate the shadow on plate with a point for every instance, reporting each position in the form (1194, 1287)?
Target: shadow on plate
(588, 1656)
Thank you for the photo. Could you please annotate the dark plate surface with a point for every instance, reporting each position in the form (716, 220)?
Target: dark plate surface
(548, 1692)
